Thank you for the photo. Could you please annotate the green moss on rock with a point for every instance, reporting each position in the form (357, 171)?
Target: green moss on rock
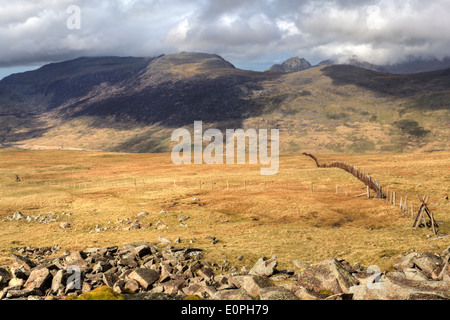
(101, 293)
(326, 292)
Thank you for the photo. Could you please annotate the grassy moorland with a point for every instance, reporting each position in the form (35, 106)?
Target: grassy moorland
(250, 215)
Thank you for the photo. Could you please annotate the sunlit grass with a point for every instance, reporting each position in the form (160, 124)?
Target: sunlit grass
(250, 215)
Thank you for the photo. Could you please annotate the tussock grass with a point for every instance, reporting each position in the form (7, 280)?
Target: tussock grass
(275, 215)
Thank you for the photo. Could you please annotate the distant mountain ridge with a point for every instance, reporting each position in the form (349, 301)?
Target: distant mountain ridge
(127, 104)
(293, 64)
(410, 66)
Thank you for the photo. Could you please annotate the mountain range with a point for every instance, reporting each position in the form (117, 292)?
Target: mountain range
(129, 104)
(409, 66)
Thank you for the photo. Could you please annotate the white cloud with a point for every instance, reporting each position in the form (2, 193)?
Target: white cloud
(380, 31)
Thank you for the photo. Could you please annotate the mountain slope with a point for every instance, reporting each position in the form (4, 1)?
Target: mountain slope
(409, 66)
(134, 104)
(293, 64)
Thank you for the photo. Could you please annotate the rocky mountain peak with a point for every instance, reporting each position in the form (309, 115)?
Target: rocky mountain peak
(293, 64)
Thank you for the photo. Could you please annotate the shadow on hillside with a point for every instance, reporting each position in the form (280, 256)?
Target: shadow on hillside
(175, 104)
(395, 85)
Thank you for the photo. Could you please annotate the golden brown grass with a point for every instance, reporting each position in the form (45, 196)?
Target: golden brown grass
(275, 215)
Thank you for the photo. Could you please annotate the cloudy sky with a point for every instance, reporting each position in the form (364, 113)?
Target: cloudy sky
(251, 34)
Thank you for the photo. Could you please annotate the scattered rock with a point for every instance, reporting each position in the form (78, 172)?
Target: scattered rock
(64, 225)
(341, 296)
(276, 293)
(430, 264)
(163, 240)
(305, 294)
(135, 226)
(264, 267)
(158, 271)
(301, 265)
(58, 282)
(145, 277)
(174, 286)
(183, 219)
(253, 284)
(16, 282)
(206, 273)
(236, 294)
(38, 280)
(153, 296)
(415, 274)
(24, 262)
(18, 216)
(402, 289)
(52, 217)
(329, 275)
(5, 277)
(142, 214)
(131, 285)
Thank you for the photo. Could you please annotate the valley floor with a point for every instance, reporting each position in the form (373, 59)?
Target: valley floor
(84, 199)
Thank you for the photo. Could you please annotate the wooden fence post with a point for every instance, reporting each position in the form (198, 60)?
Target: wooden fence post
(405, 206)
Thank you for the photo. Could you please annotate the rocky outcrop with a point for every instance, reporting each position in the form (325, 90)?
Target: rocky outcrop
(293, 64)
(145, 271)
(52, 217)
(328, 275)
(417, 276)
(264, 267)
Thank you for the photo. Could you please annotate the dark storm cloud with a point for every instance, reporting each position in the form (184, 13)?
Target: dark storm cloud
(377, 31)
